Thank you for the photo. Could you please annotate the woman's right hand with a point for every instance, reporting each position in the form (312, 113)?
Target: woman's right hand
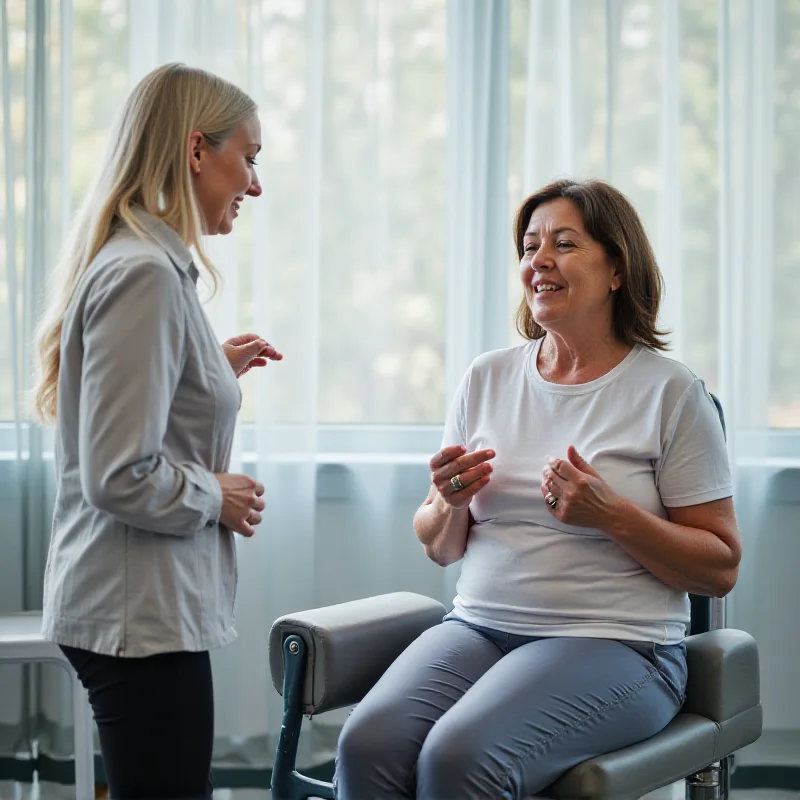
(472, 471)
(242, 503)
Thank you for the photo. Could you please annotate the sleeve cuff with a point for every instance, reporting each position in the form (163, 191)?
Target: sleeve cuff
(211, 493)
(697, 499)
(215, 502)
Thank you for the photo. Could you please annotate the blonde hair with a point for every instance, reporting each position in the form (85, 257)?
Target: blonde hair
(146, 166)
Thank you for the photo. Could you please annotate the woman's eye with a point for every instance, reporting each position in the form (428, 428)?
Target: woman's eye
(565, 244)
(252, 161)
(530, 247)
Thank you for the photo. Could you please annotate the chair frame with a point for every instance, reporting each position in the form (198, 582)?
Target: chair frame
(711, 783)
(287, 782)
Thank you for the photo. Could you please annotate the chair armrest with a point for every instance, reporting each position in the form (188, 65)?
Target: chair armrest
(723, 674)
(351, 645)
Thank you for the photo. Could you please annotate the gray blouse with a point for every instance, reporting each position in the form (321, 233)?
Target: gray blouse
(147, 403)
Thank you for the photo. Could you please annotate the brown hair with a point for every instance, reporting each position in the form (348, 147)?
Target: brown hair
(611, 220)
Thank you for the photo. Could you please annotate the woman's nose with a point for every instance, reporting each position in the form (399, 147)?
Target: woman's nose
(542, 259)
(255, 187)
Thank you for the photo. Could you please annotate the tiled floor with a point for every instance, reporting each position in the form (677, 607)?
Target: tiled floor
(11, 791)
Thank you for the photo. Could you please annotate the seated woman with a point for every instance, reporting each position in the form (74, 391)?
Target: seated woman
(584, 480)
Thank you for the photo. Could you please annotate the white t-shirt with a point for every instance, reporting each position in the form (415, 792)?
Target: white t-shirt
(650, 429)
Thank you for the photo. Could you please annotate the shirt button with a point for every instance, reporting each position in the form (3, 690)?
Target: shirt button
(211, 523)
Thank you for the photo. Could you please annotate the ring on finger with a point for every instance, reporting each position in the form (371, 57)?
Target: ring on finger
(551, 500)
(455, 482)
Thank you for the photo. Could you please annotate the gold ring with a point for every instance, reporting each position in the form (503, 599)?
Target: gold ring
(551, 500)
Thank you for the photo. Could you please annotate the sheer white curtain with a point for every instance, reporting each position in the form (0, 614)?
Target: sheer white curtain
(398, 140)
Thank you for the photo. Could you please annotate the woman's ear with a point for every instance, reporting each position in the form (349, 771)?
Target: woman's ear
(616, 274)
(197, 143)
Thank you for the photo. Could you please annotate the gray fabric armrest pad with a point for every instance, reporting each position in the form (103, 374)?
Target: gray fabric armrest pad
(723, 674)
(351, 645)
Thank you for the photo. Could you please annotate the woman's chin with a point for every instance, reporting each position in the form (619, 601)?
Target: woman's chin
(225, 225)
(541, 317)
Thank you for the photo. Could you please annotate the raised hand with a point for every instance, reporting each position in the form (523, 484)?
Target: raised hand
(575, 493)
(458, 475)
(249, 350)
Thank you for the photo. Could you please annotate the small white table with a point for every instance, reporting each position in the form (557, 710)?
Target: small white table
(21, 642)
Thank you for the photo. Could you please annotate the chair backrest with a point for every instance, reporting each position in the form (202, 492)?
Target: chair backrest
(700, 621)
(721, 414)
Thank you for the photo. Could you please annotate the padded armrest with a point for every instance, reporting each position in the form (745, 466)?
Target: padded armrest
(723, 674)
(351, 645)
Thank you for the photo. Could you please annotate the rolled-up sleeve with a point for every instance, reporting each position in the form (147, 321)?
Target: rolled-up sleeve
(134, 328)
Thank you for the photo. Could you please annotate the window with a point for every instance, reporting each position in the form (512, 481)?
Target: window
(342, 263)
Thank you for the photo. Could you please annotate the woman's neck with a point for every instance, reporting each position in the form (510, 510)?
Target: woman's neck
(574, 360)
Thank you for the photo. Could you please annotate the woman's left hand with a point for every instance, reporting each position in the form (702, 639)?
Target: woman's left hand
(247, 351)
(582, 497)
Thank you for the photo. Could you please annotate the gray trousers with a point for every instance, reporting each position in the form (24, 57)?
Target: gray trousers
(468, 712)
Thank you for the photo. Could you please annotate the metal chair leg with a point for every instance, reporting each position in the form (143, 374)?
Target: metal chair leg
(711, 783)
(287, 782)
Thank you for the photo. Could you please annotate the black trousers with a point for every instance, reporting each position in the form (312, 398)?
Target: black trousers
(155, 717)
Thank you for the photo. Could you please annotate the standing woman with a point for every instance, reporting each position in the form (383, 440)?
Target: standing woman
(141, 575)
